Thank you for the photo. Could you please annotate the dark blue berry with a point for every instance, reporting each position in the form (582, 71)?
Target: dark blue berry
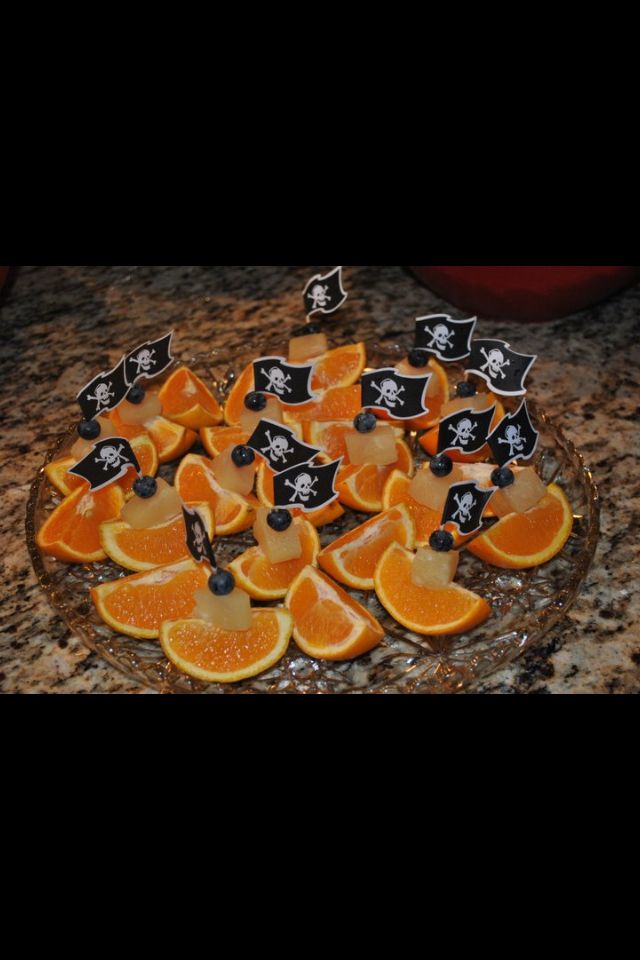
(243, 456)
(255, 402)
(466, 389)
(222, 583)
(441, 466)
(441, 541)
(365, 423)
(136, 395)
(313, 328)
(502, 477)
(280, 520)
(89, 429)
(145, 487)
(418, 358)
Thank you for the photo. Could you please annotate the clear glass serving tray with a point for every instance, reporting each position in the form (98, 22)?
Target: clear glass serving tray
(526, 604)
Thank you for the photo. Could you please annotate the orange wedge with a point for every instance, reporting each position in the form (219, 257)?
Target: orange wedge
(329, 624)
(215, 440)
(396, 491)
(186, 400)
(171, 439)
(270, 581)
(428, 612)
(341, 367)
(137, 605)
(207, 653)
(126, 430)
(72, 532)
(329, 436)
(158, 546)
(144, 449)
(338, 403)
(234, 406)
(429, 441)
(196, 483)
(361, 488)
(352, 559)
(524, 540)
(264, 490)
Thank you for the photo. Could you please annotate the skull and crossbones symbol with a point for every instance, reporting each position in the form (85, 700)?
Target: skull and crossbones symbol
(278, 380)
(513, 437)
(463, 432)
(103, 396)
(465, 506)
(199, 538)
(303, 488)
(111, 458)
(320, 296)
(388, 393)
(495, 363)
(278, 448)
(441, 336)
(144, 361)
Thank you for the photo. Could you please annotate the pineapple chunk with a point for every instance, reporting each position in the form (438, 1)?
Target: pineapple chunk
(434, 570)
(432, 491)
(137, 413)
(525, 492)
(81, 447)
(480, 402)
(163, 506)
(228, 613)
(251, 418)
(237, 479)
(277, 546)
(405, 368)
(378, 447)
(307, 347)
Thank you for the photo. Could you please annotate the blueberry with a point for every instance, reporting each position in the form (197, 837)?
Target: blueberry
(280, 520)
(418, 358)
(89, 429)
(145, 487)
(222, 583)
(466, 389)
(441, 541)
(243, 456)
(441, 466)
(502, 477)
(365, 423)
(136, 395)
(255, 402)
(313, 328)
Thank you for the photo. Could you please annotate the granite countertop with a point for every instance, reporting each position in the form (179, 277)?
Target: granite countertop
(63, 324)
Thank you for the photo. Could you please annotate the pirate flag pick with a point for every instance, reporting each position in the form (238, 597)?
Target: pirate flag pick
(465, 430)
(307, 487)
(149, 359)
(325, 294)
(279, 446)
(108, 461)
(104, 392)
(503, 369)
(197, 539)
(404, 398)
(290, 383)
(449, 339)
(515, 437)
(465, 506)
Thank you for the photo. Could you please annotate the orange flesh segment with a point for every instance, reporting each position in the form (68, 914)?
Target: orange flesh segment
(72, 532)
(360, 550)
(185, 391)
(144, 600)
(225, 651)
(341, 367)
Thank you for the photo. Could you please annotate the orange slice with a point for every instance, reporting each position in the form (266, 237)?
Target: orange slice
(524, 540)
(270, 581)
(144, 449)
(196, 483)
(216, 440)
(338, 403)
(126, 430)
(264, 490)
(137, 605)
(234, 407)
(429, 441)
(341, 367)
(72, 532)
(396, 490)
(361, 488)
(171, 439)
(329, 436)
(329, 624)
(428, 612)
(158, 546)
(224, 656)
(186, 400)
(352, 559)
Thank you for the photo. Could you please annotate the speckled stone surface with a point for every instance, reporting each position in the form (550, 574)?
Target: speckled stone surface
(75, 321)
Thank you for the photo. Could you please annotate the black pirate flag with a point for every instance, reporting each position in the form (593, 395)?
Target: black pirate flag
(307, 487)
(449, 339)
(325, 294)
(279, 446)
(108, 461)
(149, 359)
(104, 392)
(290, 383)
(465, 506)
(197, 539)
(504, 370)
(404, 398)
(466, 431)
(515, 437)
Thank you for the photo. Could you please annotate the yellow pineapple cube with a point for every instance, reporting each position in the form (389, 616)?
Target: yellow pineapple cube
(432, 491)
(278, 546)
(251, 418)
(228, 613)
(377, 447)
(434, 570)
(308, 347)
(138, 413)
(230, 477)
(163, 506)
(526, 491)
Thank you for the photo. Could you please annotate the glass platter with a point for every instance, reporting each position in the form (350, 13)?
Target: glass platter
(526, 603)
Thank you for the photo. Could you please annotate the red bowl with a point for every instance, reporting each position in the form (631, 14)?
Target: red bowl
(526, 293)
